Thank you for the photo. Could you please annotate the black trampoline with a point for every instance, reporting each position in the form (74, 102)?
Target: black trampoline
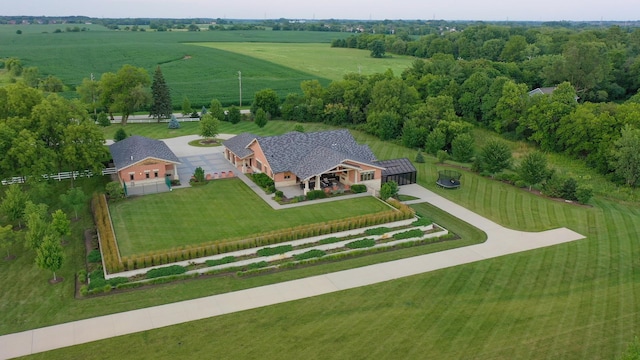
(449, 179)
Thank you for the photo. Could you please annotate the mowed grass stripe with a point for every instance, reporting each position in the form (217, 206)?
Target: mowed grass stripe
(221, 210)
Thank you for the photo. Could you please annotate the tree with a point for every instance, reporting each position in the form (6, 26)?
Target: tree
(234, 114)
(261, 118)
(419, 157)
(174, 124)
(389, 190)
(60, 225)
(209, 126)
(6, 238)
(120, 135)
(626, 156)
(266, 100)
(84, 147)
(186, 106)
(103, 119)
(495, 156)
(125, 91)
(436, 140)
(533, 168)
(49, 255)
(377, 49)
(14, 203)
(75, 199)
(37, 226)
(161, 106)
(511, 107)
(89, 91)
(462, 147)
(216, 110)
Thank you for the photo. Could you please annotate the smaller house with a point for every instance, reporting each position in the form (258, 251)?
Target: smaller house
(542, 91)
(400, 170)
(140, 160)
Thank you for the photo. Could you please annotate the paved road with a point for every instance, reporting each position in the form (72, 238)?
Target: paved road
(500, 241)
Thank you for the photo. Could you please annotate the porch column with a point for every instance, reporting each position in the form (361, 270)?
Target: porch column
(306, 186)
(175, 172)
(317, 187)
(244, 166)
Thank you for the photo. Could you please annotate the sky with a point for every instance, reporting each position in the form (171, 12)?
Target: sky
(488, 10)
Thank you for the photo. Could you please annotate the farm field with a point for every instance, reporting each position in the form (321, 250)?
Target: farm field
(200, 73)
(221, 210)
(317, 59)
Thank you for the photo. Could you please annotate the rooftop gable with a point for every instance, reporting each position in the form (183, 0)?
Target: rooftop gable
(136, 148)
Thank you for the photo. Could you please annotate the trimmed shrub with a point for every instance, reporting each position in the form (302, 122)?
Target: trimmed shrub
(314, 253)
(413, 233)
(257, 265)
(584, 193)
(262, 179)
(269, 251)
(224, 260)
(362, 243)
(358, 188)
(166, 271)
(82, 276)
(330, 240)
(422, 221)
(377, 231)
(94, 256)
(316, 194)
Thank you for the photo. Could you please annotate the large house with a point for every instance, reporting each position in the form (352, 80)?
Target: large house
(140, 160)
(310, 160)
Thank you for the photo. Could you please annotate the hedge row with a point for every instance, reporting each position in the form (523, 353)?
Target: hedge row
(402, 212)
(107, 237)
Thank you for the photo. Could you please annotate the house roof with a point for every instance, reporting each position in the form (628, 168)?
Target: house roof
(308, 154)
(238, 144)
(542, 91)
(396, 166)
(136, 148)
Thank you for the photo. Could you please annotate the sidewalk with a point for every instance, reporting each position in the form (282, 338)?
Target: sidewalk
(500, 241)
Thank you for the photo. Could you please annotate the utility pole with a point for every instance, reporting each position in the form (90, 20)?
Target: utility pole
(93, 97)
(240, 83)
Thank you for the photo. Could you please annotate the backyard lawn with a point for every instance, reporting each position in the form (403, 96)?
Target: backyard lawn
(221, 210)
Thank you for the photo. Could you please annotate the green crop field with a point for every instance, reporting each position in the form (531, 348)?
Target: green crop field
(267, 59)
(214, 213)
(317, 59)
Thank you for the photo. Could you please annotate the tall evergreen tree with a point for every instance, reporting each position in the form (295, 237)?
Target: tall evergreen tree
(161, 106)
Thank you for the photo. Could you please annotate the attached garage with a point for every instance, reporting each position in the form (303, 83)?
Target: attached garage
(401, 171)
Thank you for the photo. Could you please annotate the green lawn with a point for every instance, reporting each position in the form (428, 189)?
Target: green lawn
(317, 59)
(221, 210)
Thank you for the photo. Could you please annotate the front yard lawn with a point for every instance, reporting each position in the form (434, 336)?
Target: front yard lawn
(221, 210)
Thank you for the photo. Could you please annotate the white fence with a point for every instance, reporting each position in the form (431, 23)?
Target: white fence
(60, 176)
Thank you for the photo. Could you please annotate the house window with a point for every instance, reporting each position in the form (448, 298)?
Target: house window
(287, 177)
(155, 174)
(258, 165)
(131, 175)
(366, 175)
(146, 174)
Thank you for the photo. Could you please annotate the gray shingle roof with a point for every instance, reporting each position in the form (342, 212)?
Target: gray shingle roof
(137, 148)
(308, 154)
(238, 144)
